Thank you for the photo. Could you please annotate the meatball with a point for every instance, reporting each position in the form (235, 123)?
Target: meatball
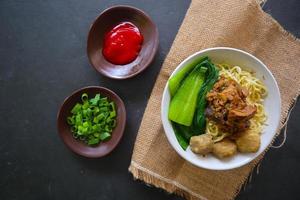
(224, 149)
(201, 144)
(248, 142)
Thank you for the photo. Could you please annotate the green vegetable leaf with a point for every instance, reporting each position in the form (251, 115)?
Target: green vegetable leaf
(185, 100)
(183, 104)
(176, 80)
(183, 142)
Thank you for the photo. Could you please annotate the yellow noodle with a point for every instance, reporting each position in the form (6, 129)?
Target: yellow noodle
(257, 93)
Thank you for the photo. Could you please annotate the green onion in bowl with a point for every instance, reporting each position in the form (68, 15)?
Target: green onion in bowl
(93, 120)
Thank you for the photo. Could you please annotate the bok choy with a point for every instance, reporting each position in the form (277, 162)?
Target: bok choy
(188, 91)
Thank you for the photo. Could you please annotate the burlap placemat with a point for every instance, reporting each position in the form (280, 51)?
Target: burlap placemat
(233, 23)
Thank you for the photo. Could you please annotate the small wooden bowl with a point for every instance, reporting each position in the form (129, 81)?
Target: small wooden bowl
(78, 146)
(104, 23)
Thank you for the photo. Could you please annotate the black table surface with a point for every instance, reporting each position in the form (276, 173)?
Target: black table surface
(43, 59)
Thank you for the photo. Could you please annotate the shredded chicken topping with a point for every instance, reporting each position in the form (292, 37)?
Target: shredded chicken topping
(227, 106)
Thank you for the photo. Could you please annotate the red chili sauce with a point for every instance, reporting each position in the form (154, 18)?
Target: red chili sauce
(122, 44)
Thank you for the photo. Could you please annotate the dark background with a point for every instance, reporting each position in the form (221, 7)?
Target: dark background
(43, 59)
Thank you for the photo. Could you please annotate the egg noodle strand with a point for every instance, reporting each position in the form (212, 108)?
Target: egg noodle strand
(257, 93)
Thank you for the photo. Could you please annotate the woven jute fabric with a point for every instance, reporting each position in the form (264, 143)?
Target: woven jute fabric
(232, 23)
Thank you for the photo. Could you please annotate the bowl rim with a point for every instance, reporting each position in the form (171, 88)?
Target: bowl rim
(123, 124)
(165, 120)
(155, 41)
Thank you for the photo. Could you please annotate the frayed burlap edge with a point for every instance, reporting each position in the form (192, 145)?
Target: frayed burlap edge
(154, 179)
(171, 186)
(288, 36)
(261, 2)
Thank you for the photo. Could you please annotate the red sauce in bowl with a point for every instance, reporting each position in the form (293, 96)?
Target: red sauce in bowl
(122, 44)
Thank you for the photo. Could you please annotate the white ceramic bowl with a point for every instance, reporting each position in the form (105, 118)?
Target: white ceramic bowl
(272, 105)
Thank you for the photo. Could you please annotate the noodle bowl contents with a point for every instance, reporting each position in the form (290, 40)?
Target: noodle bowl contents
(225, 116)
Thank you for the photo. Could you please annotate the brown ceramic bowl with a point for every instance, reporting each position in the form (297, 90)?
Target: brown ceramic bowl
(78, 146)
(104, 23)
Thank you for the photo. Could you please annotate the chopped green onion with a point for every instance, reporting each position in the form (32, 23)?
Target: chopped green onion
(76, 108)
(95, 100)
(112, 114)
(92, 120)
(84, 97)
(104, 136)
(70, 120)
(93, 141)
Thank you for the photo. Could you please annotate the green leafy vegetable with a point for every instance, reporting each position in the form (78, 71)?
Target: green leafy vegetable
(175, 81)
(183, 142)
(183, 104)
(199, 121)
(93, 120)
(184, 131)
(84, 97)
